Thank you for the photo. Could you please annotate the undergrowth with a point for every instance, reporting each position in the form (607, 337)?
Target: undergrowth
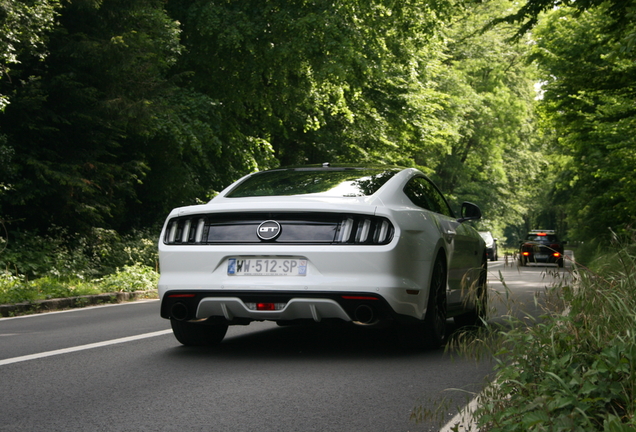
(573, 368)
(57, 264)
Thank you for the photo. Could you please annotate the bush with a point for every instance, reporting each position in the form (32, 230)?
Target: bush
(113, 251)
(60, 254)
(57, 264)
(17, 289)
(137, 277)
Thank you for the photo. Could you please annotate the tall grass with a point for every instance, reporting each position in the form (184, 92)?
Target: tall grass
(572, 369)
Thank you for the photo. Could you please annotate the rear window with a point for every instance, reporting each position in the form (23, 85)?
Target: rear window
(542, 238)
(341, 182)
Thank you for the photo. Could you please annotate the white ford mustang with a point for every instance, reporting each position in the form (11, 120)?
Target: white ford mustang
(358, 244)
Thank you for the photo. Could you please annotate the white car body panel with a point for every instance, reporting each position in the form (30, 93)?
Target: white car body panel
(399, 272)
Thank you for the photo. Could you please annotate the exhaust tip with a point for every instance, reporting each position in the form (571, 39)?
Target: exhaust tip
(179, 311)
(364, 315)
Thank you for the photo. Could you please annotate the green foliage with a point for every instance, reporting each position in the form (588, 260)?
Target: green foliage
(588, 103)
(144, 105)
(40, 255)
(322, 80)
(575, 369)
(492, 155)
(80, 120)
(17, 289)
(58, 265)
(140, 106)
(59, 254)
(131, 278)
(109, 251)
(23, 28)
(529, 13)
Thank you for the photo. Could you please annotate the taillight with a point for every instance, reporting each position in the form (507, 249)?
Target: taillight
(355, 229)
(295, 228)
(556, 254)
(525, 253)
(185, 231)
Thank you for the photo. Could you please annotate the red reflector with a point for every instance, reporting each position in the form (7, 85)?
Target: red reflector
(359, 298)
(542, 234)
(525, 253)
(265, 306)
(181, 295)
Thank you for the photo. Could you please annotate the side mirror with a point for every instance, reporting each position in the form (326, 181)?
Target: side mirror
(469, 211)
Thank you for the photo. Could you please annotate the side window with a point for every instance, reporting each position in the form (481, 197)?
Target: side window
(423, 194)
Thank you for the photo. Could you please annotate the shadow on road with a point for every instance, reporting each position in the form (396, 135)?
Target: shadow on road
(323, 341)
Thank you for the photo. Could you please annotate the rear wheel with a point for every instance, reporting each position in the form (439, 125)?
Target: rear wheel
(434, 325)
(198, 333)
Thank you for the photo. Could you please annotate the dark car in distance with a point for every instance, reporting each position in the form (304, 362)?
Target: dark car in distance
(541, 246)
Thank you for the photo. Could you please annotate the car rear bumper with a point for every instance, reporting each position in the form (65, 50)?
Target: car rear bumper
(242, 307)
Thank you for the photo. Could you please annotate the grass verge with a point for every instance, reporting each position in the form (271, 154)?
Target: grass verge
(17, 289)
(573, 369)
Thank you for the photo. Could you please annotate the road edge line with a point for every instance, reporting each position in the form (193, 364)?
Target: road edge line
(463, 420)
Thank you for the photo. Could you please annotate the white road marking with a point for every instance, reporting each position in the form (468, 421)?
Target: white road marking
(463, 422)
(82, 347)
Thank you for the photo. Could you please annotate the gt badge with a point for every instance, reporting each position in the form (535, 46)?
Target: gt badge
(268, 230)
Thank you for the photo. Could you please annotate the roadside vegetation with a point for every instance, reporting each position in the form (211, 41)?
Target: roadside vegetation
(58, 265)
(573, 368)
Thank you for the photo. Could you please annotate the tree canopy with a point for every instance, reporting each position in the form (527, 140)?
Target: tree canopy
(588, 82)
(115, 111)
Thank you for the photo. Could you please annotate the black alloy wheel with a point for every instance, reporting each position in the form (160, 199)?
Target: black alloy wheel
(436, 311)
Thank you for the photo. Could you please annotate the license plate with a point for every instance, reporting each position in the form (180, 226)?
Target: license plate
(541, 256)
(266, 267)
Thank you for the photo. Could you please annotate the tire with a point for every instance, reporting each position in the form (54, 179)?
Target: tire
(560, 262)
(434, 324)
(198, 334)
(477, 316)
(522, 261)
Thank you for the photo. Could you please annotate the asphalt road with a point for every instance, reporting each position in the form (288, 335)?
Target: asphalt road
(118, 368)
